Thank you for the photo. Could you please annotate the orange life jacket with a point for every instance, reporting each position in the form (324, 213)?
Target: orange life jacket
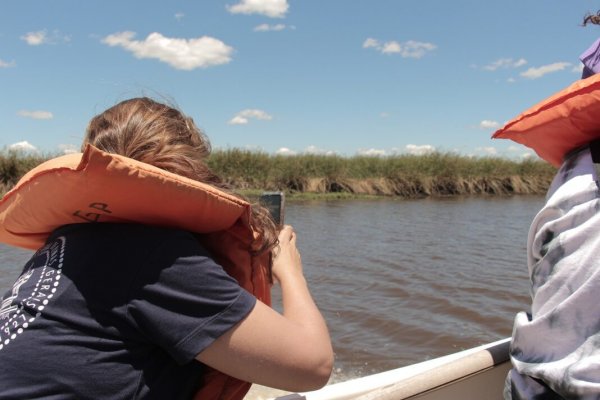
(563, 122)
(100, 187)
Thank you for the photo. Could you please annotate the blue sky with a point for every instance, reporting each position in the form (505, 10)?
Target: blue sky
(291, 76)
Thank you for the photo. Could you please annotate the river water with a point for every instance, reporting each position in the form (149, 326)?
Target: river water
(402, 281)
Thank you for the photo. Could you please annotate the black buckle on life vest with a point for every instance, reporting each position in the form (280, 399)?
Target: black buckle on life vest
(595, 153)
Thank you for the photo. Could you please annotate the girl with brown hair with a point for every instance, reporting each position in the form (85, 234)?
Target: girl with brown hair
(138, 311)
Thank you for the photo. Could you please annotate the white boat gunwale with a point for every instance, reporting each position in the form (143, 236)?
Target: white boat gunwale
(476, 373)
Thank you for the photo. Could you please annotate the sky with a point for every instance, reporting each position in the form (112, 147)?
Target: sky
(345, 77)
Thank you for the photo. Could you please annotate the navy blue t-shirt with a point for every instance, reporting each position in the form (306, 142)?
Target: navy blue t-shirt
(114, 311)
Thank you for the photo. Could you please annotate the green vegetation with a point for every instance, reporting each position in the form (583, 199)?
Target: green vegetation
(13, 165)
(436, 174)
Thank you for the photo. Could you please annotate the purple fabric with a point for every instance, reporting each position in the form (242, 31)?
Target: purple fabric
(591, 60)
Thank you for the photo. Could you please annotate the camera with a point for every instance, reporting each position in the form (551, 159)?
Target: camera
(274, 202)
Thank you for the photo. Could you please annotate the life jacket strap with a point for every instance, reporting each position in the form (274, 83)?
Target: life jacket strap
(595, 153)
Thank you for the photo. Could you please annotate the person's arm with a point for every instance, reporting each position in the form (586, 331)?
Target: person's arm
(290, 351)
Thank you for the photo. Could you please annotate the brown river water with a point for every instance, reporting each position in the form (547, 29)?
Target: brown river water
(402, 281)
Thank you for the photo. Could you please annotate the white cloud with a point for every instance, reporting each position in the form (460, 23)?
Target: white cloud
(244, 116)
(409, 49)
(237, 120)
(488, 124)
(490, 151)
(391, 48)
(42, 37)
(35, 38)
(505, 63)
(36, 114)
(268, 28)
(535, 73)
(7, 64)
(185, 54)
(22, 146)
(372, 152)
(520, 62)
(370, 42)
(312, 149)
(269, 8)
(179, 16)
(68, 148)
(520, 151)
(384, 114)
(284, 151)
(578, 68)
(419, 150)
(414, 49)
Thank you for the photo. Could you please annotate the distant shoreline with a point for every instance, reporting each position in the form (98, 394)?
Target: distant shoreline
(402, 176)
(336, 177)
(415, 188)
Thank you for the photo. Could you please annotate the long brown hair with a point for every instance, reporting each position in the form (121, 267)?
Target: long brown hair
(161, 135)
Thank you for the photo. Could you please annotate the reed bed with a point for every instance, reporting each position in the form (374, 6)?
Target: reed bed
(435, 174)
(13, 165)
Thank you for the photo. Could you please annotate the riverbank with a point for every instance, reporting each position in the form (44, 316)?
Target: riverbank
(331, 176)
(408, 176)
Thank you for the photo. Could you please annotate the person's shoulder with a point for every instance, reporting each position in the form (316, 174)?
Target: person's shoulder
(130, 235)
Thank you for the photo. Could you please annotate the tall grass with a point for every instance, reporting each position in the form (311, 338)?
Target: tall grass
(402, 175)
(13, 165)
(435, 174)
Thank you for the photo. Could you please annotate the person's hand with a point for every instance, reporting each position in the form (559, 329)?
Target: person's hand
(287, 261)
(294, 351)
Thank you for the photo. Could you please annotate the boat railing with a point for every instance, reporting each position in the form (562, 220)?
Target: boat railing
(476, 373)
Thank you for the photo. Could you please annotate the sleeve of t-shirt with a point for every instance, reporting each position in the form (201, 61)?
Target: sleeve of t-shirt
(182, 300)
